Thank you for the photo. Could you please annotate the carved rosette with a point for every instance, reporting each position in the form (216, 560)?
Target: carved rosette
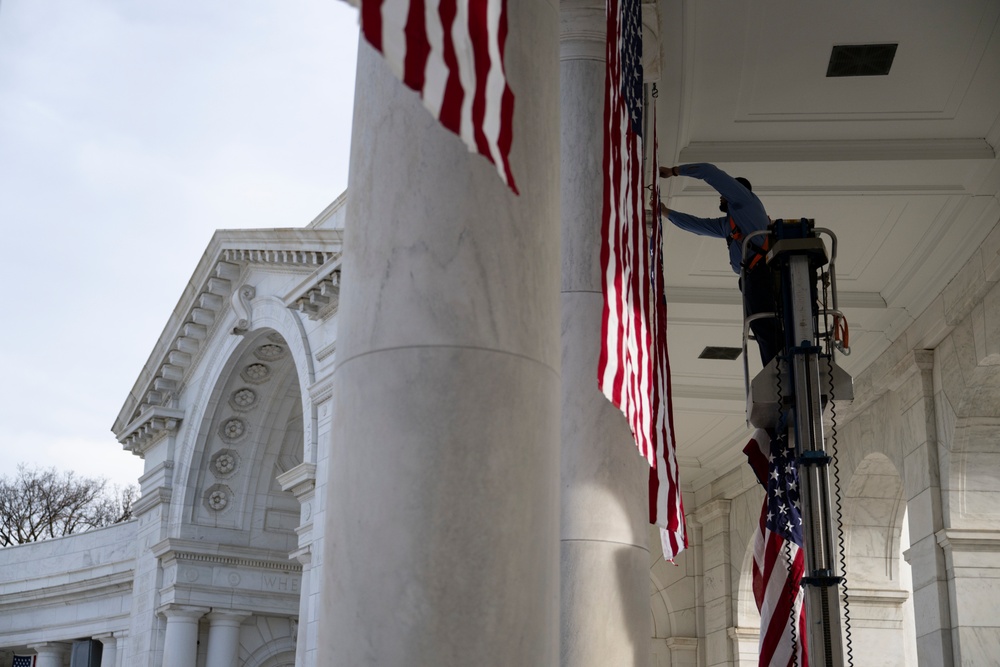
(234, 430)
(257, 373)
(270, 352)
(225, 463)
(218, 497)
(243, 399)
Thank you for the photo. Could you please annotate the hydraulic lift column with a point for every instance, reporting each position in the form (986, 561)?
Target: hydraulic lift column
(799, 253)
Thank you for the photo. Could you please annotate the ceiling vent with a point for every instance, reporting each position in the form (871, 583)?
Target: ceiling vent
(727, 353)
(861, 60)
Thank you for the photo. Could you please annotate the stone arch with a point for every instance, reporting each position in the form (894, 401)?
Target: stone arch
(268, 641)
(250, 432)
(660, 608)
(878, 582)
(968, 414)
(269, 317)
(672, 605)
(873, 508)
(747, 615)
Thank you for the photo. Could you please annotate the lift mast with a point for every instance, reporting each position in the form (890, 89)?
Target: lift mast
(797, 385)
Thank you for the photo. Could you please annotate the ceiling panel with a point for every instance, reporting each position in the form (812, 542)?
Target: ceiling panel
(903, 168)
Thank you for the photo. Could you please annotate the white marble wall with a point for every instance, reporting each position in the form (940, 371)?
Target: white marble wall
(67, 588)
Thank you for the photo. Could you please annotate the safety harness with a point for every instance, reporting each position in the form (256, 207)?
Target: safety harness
(736, 235)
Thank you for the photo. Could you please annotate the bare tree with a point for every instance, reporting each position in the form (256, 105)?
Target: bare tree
(38, 504)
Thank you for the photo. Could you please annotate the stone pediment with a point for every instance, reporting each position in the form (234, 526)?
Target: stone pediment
(214, 288)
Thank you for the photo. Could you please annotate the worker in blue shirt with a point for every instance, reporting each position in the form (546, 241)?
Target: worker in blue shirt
(744, 213)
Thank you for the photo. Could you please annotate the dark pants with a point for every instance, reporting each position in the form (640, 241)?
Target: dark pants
(759, 297)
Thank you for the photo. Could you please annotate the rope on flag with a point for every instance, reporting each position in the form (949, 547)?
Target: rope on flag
(451, 52)
(666, 507)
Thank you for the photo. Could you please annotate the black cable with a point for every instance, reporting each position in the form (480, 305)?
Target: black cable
(835, 468)
(793, 594)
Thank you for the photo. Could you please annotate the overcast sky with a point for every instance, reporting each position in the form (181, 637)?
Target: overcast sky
(130, 130)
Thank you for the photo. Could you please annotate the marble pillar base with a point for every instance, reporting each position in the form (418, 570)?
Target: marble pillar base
(445, 529)
(601, 624)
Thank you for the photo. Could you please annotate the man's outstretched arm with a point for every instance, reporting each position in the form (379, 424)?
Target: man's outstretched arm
(724, 184)
(716, 227)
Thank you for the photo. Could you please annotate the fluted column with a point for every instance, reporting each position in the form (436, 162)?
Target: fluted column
(180, 643)
(224, 637)
(442, 506)
(50, 654)
(604, 555)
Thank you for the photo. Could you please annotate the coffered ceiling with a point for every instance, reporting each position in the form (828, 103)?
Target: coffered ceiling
(902, 168)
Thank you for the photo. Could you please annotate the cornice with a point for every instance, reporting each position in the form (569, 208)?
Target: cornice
(217, 554)
(318, 296)
(109, 584)
(153, 423)
(206, 299)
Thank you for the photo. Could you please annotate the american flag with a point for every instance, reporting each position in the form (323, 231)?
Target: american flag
(24, 661)
(778, 560)
(451, 52)
(666, 507)
(625, 367)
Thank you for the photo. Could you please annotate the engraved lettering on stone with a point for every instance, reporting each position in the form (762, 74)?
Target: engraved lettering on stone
(243, 399)
(281, 584)
(233, 429)
(269, 352)
(256, 373)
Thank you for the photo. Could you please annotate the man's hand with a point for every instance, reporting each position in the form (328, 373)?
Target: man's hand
(664, 211)
(667, 172)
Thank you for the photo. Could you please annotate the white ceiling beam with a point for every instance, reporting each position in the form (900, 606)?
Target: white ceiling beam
(723, 296)
(838, 151)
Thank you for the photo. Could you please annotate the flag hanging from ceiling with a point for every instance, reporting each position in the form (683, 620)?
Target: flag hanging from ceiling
(24, 661)
(451, 52)
(625, 366)
(778, 559)
(666, 507)
(633, 370)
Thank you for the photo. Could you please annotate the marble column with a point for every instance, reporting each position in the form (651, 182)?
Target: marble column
(109, 649)
(180, 643)
(50, 654)
(717, 580)
(605, 617)
(224, 637)
(922, 485)
(442, 508)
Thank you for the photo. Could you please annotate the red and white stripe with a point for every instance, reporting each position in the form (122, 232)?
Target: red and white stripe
(451, 52)
(625, 366)
(776, 588)
(666, 507)
(634, 369)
